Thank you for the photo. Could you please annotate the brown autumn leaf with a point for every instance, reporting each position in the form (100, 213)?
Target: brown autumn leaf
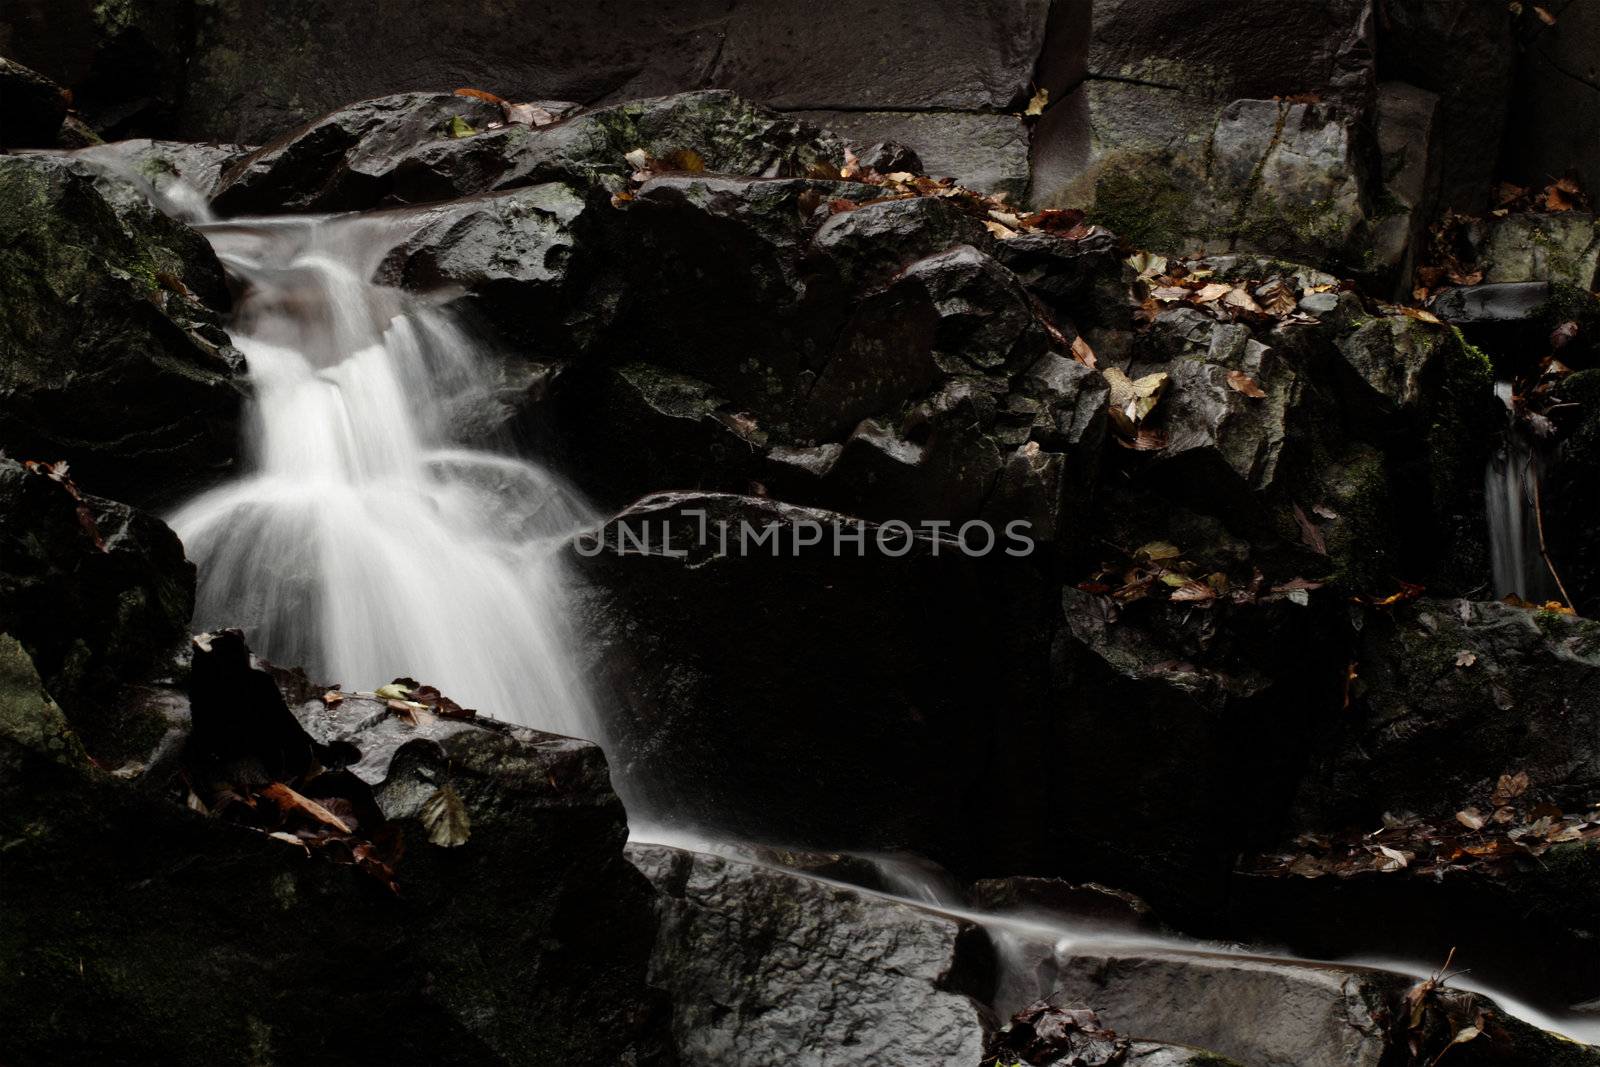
(1510, 787)
(288, 801)
(480, 94)
(1278, 297)
(1309, 533)
(1037, 103)
(1082, 352)
(1544, 16)
(1212, 291)
(1240, 300)
(332, 698)
(1471, 818)
(1562, 195)
(1465, 658)
(683, 159)
(1243, 383)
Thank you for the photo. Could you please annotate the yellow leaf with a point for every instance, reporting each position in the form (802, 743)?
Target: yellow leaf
(1038, 103)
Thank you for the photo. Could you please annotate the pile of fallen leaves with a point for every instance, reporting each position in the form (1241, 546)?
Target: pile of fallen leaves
(1159, 568)
(1042, 1033)
(1489, 838)
(255, 767)
(1273, 301)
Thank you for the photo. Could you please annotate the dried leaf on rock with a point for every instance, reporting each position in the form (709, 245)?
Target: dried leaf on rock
(1243, 383)
(1471, 818)
(1509, 787)
(445, 818)
(1465, 658)
(289, 801)
(1082, 352)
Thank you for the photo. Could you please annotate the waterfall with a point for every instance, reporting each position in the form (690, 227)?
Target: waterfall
(1509, 497)
(362, 540)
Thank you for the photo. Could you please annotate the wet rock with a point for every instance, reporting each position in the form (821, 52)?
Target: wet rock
(198, 166)
(97, 592)
(1269, 1011)
(1492, 304)
(345, 160)
(1082, 905)
(1429, 734)
(889, 157)
(766, 966)
(870, 706)
(525, 943)
(34, 107)
(112, 355)
(523, 259)
(1465, 53)
(1487, 917)
(873, 243)
(1562, 248)
(982, 151)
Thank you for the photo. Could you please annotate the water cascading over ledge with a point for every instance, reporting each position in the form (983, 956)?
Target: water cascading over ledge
(362, 540)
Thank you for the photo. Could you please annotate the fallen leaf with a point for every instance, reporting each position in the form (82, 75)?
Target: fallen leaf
(1241, 300)
(1544, 16)
(460, 127)
(1214, 291)
(637, 158)
(1193, 592)
(392, 691)
(1082, 352)
(1562, 195)
(445, 818)
(1243, 383)
(290, 839)
(1000, 230)
(1309, 533)
(1159, 550)
(1394, 859)
(332, 698)
(1465, 658)
(1038, 102)
(1510, 787)
(1471, 818)
(479, 94)
(288, 800)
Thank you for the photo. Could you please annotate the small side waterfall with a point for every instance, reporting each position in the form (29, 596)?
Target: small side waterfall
(362, 542)
(1510, 496)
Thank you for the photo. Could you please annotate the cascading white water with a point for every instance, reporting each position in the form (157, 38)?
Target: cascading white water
(362, 541)
(1510, 499)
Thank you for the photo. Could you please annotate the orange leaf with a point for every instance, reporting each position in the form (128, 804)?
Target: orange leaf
(288, 800)
(1245, 384)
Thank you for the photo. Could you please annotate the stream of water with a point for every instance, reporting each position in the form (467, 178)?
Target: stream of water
(1511, 500)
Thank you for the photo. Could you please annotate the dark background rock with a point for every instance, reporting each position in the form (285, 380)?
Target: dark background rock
(34, 107)
(1554, 123)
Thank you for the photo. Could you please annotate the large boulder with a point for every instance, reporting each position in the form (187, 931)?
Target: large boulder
(828, 693)
(1453, 694)
(509, 930)
(1269, 1011)
(112, 354)
(765, 966)
(97, 592)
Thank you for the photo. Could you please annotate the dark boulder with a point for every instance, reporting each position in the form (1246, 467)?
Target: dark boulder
(1453, 694)
(1270, 1011)
(112, 355)
(763, 685)
(98, 593)
(765, 966)
(519, 935)
(345, 160)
